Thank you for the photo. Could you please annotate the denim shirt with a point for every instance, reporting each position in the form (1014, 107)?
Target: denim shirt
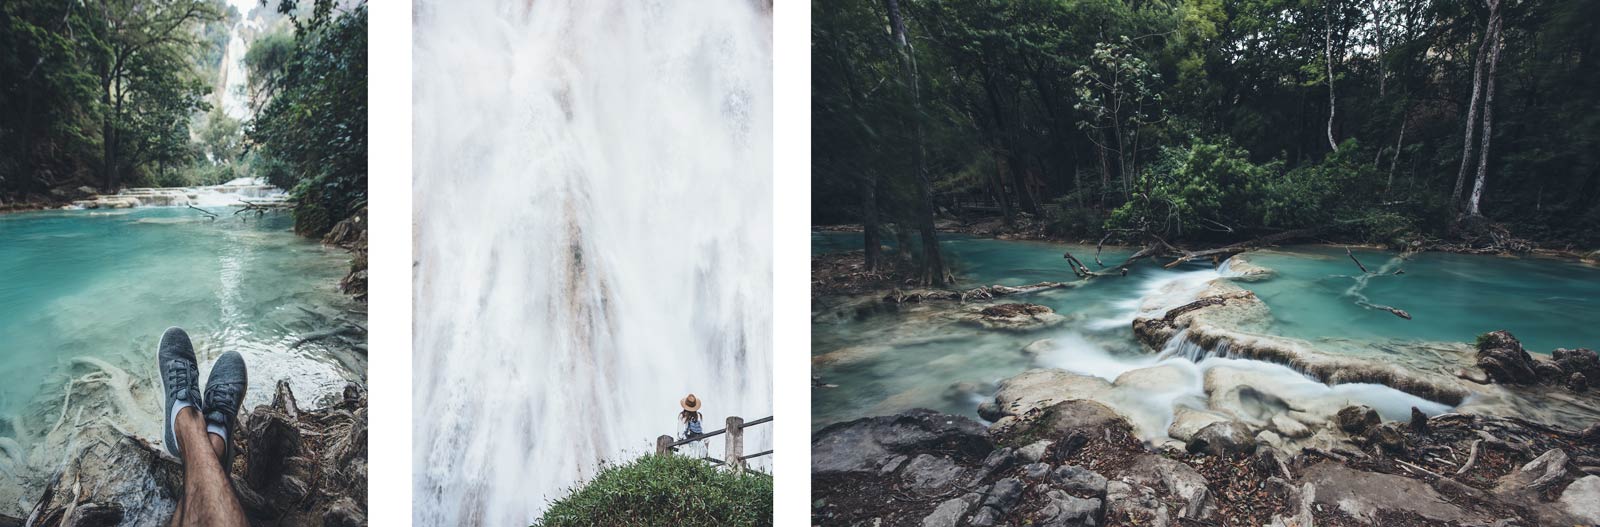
(693, 428)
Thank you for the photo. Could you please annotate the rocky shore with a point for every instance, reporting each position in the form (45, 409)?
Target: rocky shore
(1078, 463)
(295, 467)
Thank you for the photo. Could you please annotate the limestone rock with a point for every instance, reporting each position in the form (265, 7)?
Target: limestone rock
(929, 472)
(1066, 510)
(1288, 427)
(1223, 439)
(1015, 317)
(1181, 479)
(1366, 495)
(1581, 500)
(1538, 475)
(1081, 480)
(1134, 504)
(1187, 421)
(1035, 451)
(949, 512)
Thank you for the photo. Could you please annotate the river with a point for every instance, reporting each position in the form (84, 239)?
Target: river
(102, 285)
(887, 362)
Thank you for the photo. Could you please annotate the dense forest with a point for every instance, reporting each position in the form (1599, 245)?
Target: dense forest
(100, 95)
(1207, 122)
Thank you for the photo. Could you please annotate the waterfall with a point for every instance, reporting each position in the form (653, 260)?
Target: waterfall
(592, 193)
(234, 101)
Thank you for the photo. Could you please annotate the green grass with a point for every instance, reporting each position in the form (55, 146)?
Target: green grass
(665, 490)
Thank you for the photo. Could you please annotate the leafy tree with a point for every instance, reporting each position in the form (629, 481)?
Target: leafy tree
(312, 134)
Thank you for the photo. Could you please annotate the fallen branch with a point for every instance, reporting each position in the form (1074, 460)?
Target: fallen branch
(1472, 459)
(1358, 262)
(212, 215)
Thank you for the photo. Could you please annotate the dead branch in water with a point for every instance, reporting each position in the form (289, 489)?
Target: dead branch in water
(208, 213)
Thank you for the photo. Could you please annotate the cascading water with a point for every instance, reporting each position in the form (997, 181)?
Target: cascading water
(235, 103)
(593, 241)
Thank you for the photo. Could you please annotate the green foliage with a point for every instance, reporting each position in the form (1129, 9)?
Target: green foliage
(312, 135)
(1031, 101)
(665, 490)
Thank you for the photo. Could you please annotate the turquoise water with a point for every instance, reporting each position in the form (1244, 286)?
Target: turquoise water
(105, 284)
(894, 361)
(1547, 303)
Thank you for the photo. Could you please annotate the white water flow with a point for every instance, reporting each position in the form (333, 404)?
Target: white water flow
(593, 197)
(235, 103)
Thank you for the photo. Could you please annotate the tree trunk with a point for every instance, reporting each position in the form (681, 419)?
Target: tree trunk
(933, 270)
(869, 223)
(1328, 53)
(1398, 145)
(1472, 107)
(1488, 109)
(998, 183)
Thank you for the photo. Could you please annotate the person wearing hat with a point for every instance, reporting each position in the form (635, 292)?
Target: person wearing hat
(690, 416)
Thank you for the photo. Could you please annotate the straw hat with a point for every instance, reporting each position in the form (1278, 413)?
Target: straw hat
(690, 403)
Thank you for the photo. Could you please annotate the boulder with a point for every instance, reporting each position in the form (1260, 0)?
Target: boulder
(1538, 475)
(1222, 439)
(1134, 504)
(1182, 480)
(1355, 420)
(1187, 421)
(1077, 417)
(1502, 358)
(1368, 496)
(1015, 317)
(1388, 437)
(1079, 480)
(1577, 382)
(1040, 388)
(949, 512)
(1035, 451)
(1581, 500)
(1288, 427)
(865, 445)
(1581, 360)
(930, 473)
(1065, 510)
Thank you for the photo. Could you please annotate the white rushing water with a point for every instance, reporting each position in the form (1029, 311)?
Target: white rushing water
(235, 103)
(592, 239)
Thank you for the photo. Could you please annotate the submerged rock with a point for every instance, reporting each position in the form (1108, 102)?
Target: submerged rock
(1015, 317)
(865, 445)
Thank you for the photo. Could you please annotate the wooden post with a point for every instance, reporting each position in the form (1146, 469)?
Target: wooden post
(735, 444)
(661, 444)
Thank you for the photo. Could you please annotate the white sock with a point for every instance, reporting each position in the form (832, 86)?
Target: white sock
(173, 418)
(213, 428)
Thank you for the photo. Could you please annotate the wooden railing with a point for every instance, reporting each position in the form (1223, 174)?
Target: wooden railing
(734, 457)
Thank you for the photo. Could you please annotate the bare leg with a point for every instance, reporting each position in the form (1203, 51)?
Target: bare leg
(208, 498)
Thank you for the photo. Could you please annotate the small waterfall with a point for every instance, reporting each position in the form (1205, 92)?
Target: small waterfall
(593, 241)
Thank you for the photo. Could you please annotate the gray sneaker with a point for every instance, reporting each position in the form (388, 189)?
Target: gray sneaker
(180, 378)
(225, 389)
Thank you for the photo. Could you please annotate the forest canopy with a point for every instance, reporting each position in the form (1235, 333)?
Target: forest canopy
(100, 95)
(1208, 121)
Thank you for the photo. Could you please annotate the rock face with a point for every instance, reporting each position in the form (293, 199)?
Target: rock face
(866, 445)
(1016, 317)
(1367, 495)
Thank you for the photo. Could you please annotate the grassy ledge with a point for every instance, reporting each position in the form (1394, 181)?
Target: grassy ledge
(665, 490)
